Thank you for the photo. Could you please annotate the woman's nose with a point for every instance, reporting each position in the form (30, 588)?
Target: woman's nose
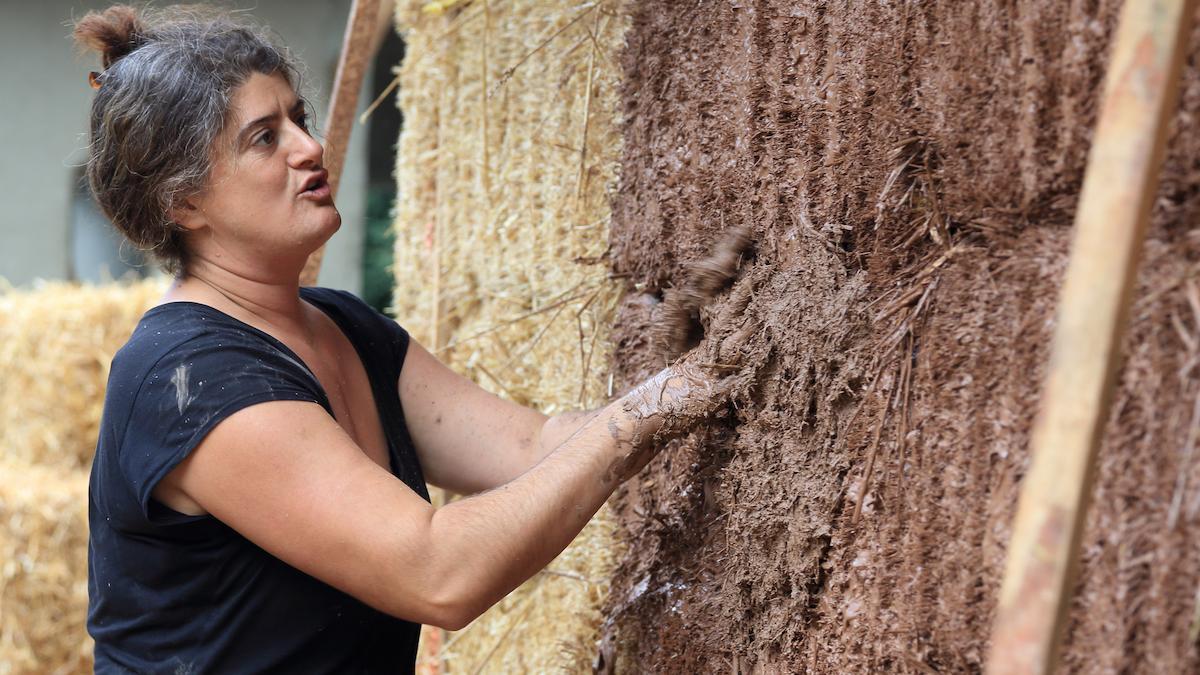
(305, 150)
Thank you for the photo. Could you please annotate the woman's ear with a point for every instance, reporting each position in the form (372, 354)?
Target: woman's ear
(187, 214)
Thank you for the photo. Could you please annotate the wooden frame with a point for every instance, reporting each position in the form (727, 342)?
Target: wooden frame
(357, 48)
(1114, 206)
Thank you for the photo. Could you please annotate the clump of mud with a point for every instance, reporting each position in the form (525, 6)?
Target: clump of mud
(678, 328)
(908, 174)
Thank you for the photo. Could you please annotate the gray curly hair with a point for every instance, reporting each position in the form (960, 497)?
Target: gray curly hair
(162, 101)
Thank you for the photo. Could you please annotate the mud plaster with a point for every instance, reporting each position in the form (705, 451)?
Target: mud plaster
(909, 172)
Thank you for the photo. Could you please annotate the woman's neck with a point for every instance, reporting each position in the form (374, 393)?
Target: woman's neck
(252, 297)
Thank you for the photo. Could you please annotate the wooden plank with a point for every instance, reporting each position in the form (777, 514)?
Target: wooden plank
(1119, 186)
(357, 48)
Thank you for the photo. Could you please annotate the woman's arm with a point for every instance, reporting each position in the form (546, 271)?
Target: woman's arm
(287, 477)
(469, 440)
(560, 427)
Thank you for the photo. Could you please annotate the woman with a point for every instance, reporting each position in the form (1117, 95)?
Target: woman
(258, 496)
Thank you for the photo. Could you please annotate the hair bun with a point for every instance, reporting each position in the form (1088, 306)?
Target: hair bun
(114, 32)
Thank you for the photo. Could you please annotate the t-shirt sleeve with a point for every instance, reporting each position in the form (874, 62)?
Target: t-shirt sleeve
(397, 339)
(191, 389)
(394, 336)
(376, 326)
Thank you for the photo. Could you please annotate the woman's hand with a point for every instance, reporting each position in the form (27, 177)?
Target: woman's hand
(680, 397)
(666, 406)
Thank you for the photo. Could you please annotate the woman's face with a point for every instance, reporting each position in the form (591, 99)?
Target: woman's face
(256, 210)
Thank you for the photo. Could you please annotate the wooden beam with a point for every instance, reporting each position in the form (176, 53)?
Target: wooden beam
(357, 48)
(1119, 187)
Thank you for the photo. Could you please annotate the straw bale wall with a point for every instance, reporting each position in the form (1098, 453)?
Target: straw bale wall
(507, 156)
(56, 344)
(43, 570)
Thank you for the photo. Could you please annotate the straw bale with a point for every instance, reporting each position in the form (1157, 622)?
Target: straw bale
(43, 570)
(508, 153)
(56, 344)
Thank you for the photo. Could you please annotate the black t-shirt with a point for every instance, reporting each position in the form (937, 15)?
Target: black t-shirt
(171, 593)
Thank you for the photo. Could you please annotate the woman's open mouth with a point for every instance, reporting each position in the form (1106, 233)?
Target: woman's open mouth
(317, 188)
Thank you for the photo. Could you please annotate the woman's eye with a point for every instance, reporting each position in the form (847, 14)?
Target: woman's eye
(266, 138)
(302, 121)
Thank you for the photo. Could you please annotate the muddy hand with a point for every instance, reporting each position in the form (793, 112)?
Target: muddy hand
(663, 407)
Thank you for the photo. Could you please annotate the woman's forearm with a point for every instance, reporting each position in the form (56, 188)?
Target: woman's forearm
(486, 545)
(547, 437)
(490, 543)
(559, 428)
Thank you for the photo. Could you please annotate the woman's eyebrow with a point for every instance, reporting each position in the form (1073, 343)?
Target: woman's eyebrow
(298, 106)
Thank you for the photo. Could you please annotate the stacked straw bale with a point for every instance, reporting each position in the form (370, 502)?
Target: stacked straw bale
(56, 344)
(43, 570)
(509, 150)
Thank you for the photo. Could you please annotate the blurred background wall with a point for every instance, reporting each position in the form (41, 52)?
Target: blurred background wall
(49, 228)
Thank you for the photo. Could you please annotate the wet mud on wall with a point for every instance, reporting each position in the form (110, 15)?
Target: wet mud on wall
(909, 171)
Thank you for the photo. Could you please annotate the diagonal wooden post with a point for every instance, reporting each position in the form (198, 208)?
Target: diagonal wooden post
(352, 65)
(1114, 206)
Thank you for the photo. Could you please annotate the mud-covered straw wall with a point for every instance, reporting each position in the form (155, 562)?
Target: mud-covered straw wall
(910, 171)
